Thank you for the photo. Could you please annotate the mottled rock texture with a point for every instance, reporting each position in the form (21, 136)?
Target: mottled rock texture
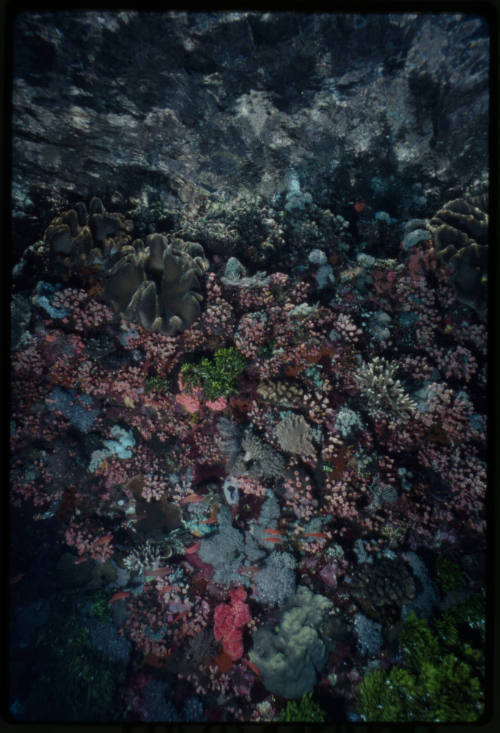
(164, 113)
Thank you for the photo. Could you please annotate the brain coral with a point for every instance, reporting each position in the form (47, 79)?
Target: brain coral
(381, 588)
(460, 234)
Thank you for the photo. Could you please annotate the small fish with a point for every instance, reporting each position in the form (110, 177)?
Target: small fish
(104, 540)
(119, 596)
(136, 517)
(192, 499)
(253, 667)
(212, 520)
(359, 207)
(16, 578)
(273, 531)
(158, 572)
(153, 660)
(273, 539)
(181, 615)
(192, 548)
(250, 569)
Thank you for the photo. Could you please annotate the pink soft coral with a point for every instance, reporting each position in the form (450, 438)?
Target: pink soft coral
(229, 621)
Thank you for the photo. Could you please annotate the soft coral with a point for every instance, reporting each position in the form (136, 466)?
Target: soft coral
(229, 621)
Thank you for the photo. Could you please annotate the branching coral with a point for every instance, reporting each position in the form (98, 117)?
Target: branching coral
(383, 393)
(258, 459)
(217, 376)
(438, 680)
(145, 557)
(276, 581)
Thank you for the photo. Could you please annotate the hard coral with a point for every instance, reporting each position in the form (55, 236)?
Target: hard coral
(295, 435)
(460, 233)
(290, 658)
(382, 391)
(258, 459)
(382, 587)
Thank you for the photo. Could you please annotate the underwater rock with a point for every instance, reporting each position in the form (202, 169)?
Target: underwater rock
(346, 97)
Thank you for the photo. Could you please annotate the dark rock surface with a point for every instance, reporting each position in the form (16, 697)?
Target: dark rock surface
(158, 113)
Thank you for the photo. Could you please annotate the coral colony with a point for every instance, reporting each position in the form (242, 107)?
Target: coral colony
(267, 490)
(248, 463)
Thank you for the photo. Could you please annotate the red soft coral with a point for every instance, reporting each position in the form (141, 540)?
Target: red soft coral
(228, 622)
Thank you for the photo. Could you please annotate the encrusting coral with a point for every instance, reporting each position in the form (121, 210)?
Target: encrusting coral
(281, 392)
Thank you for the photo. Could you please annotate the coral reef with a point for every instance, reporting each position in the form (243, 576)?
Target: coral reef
(249, 394)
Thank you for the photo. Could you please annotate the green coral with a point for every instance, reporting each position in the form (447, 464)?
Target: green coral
(217, 376)
(440, 679)
(305, 711)
(157, 384)
(467, 616)
(74, 681)
(266, 350)
(449, 575)
(101, 608)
